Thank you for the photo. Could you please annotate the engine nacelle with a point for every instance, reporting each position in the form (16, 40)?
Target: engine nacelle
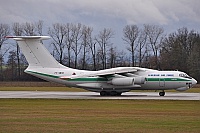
(128, 81)
(122, 81)
(139, 80)
(182, 88)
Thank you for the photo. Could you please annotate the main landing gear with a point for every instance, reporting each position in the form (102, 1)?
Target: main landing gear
(162, 93)
(112, 93)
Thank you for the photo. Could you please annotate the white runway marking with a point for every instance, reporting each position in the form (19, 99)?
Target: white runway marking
(93, 95)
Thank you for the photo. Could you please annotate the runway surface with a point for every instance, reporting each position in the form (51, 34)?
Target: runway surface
(93, 95)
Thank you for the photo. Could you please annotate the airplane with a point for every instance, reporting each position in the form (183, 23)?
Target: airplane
(108, 82)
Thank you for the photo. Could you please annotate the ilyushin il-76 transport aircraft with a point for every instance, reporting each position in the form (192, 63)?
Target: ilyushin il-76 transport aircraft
(108, 82)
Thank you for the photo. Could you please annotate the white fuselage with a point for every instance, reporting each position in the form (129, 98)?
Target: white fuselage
(155, 80)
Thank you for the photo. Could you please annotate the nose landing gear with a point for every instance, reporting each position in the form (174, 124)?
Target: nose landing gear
(162, 93)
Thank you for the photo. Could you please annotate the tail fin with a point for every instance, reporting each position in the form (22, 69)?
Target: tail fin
(35, 52)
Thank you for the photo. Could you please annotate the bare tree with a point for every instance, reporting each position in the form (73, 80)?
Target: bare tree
(193, 61)
(57, 33)
(18, 31)
(112, 57)
(92, 46)
(69, 39)
(76, 46)
(103, 39)
(4, 31)
(130, 35)
(142, 38)
(98, 59)
(29, 29)
(12, 64)
(122, 59)
(177, 50)
(155, 35)
(86, 36)
(39, 27)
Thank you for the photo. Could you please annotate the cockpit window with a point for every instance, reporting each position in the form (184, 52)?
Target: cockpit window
(184, 75)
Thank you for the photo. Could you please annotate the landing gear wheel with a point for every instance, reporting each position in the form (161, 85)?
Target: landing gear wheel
(119, 93)
(103, 93)
(113, 93)
(162, 93)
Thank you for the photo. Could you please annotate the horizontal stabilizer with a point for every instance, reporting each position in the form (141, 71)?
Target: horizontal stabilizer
(35, 52)
(29, 37)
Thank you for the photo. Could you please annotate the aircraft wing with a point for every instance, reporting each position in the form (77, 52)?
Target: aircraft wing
(111, 71)
(107, 72)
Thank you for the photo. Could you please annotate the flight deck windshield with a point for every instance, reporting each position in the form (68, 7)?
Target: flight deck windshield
(184, 75)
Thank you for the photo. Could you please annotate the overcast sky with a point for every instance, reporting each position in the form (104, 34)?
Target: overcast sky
(99, 14)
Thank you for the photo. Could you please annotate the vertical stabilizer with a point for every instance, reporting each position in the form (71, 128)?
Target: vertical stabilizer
(35, 52)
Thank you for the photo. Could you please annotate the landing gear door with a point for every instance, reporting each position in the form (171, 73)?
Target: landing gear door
(162, 82)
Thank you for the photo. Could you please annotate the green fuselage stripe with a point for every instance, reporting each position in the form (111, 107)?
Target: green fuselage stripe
(148, 79)
(43, 74)
(167, 79)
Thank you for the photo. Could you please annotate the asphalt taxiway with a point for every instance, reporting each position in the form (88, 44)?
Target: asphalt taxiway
(93, 95)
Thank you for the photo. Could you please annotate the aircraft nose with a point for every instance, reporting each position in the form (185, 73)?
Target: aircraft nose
(194, 81)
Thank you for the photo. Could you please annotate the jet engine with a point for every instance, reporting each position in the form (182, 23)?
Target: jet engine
(139, 80)
(128, 81)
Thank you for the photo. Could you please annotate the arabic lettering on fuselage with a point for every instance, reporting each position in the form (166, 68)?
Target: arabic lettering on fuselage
(161, 75)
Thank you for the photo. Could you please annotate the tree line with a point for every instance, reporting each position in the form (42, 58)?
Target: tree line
(78, 46)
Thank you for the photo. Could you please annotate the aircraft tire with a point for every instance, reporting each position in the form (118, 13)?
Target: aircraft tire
(119, 93)
(103, 93)
(162, 93)
(113, 93)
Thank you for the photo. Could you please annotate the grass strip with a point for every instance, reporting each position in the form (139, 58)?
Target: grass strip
(51, 115)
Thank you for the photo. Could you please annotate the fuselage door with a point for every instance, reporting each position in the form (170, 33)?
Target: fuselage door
(162, 82)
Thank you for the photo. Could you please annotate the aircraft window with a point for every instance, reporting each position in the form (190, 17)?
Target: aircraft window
(153, 74)
(162, 74)
(170, 74)
(185, 76)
